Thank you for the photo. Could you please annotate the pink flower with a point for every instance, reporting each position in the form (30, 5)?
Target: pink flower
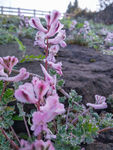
(37, 145)
(2, 73)
(51, 80)
(98, 106)
(54, 49)
(63, 44)
(8, 62)
(39, 123)
(57, 67)
(40, 40)
(100, 102)
(25, 93)
(35, 23)
(73, 24)
(40, 87)
(111, 48)
(25, 145)
(52, 53)
(99, 99)
(52, 108)
(32, 93)
(47, 113)
(53, 18)
(23, 75)
(53, 25)
(48, 78)
(54, 28)
(51, 58)
(59, 38)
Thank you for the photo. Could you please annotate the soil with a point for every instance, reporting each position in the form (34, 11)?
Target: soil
(87, 71)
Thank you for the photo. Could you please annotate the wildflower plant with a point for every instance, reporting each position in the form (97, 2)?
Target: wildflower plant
(56, 122)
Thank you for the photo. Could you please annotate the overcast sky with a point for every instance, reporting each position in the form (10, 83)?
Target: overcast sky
(49, 5)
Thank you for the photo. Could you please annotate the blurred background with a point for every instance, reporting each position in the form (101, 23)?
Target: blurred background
(73, 8)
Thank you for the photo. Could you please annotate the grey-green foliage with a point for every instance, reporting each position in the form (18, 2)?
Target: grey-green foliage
(5, 36)
(4, 144)
(106, 121)
(84, 130)
(70, 136)
(6, 112)
(110, 100)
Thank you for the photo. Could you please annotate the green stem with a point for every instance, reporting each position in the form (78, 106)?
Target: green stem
(3, 90)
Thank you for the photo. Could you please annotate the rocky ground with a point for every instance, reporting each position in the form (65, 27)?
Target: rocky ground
(87, 71)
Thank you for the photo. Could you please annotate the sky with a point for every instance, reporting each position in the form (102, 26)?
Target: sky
(49, 5)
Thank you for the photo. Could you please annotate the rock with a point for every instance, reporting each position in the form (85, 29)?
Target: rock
(100, 146)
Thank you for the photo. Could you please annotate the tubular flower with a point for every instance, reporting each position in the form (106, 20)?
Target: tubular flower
(39, 123)
(39, 39)
(37, 145)
(23, 75)
(57, 67)
(8, 62)
(50, 57)
(51, 80)
(100, 102)
(47, 113)
(35, 23)
(40, 87)
(52, 107)
(54, 50)
(25, 93)
(53, 27)
(59, 39)
(32, 93)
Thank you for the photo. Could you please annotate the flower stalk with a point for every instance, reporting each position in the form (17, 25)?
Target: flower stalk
(14, 145)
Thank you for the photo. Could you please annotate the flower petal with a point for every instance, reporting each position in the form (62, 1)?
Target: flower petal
(98, 106)
(35, 23)
(23, 75)
(40, 88)
(25, 94)
(60, 36)
(54, 16)
(8, 62)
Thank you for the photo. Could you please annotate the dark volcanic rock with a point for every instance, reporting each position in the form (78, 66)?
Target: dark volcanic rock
(87, 71)
(100, 146)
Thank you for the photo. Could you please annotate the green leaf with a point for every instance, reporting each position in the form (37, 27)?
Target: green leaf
(32, 57)
(21, 112)
(1, 86)
(8, 96)
(18, 118)
(20, 44)
(60, 83)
